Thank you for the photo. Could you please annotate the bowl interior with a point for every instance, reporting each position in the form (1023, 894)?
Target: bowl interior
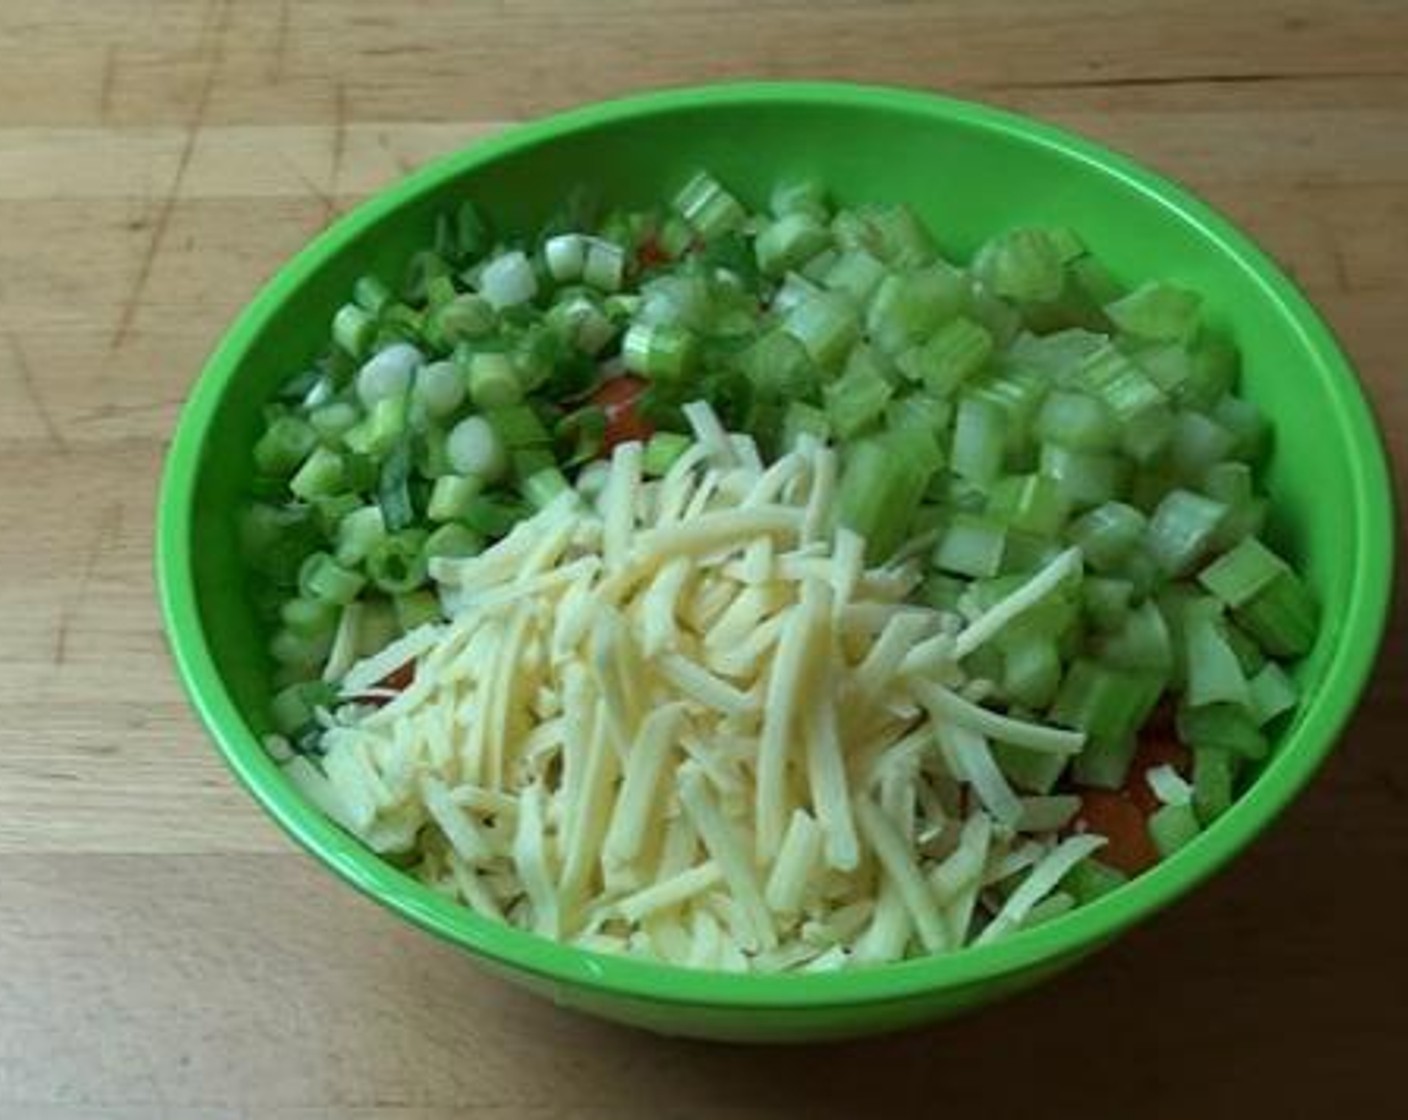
(969, 172)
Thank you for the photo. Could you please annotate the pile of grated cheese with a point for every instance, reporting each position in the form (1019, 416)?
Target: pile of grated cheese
(681, 719)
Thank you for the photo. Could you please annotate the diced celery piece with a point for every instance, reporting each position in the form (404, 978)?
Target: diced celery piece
(979, 440)
(1214, 778)
(1214, 674)
(1031, 671)
(1087, 478)
(1247, 425)
(1272, 693)
(856, 400)
(882, 482)
(1033, 771)
(780, 368)
(900, 237)
(827, 325)
(920, 411)
(1030, 503)
(1168, 365)
(1197, 445)
(1104, 763)
(804, 419)
(1238, 576)
(940, 591)
(662, 450)
(1021, 264)
(1090, 879)
(1249, 655)
(1142, 641)
(1157, 312)
(1109, 374)
(1226, 727)
(1172, 827)
(1283, 616)
(855, 273)
(1212, 373)
(1076, 421)
(708, 207)
(908, 307)
(1107, 534)
(1105, 702)
(799, 196)
(971, 546)
(660, 352)
(1058, 355)
(952, 355)
(789, 242)
(1181, 530)
(1107, 601)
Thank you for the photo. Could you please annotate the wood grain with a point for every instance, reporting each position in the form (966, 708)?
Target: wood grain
(164, 953)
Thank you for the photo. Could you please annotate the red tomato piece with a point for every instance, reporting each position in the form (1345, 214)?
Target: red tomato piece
(650, 253)
(619, 399)
(1111, 814)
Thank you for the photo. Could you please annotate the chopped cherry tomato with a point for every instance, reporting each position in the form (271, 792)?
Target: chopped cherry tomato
(1122, 815)
(400, 678)
(1111, 814)
(619, 398)
(650, 253)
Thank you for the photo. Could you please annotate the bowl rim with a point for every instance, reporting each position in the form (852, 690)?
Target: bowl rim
(1082, 929)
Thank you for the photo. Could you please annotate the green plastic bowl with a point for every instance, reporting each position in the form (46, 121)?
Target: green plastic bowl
(969, 171)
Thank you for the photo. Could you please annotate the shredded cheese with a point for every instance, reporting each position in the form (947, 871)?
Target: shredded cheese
(684, 719)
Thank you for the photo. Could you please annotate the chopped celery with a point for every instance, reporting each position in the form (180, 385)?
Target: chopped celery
(801, 196)
(1030, 503)
(971, 546)
(882, 482)
(908, 307)
(1140, 641)
(979, 439)
(708, 207)
(659, 352)
(1031, 671)
(292, 708)
(827, 325)
(952, 355)
(856, 400)
(1110, 705)
(790, 241)
(1107, 601)
(661, 452)
(1107, 534)
(1086, 478)
(1214, 777)
(1090, 879)
(1076, 421)
(1272, 693)
(1282, 616)
(1022, 264)
(1157, 312)
(1197, 444)
(1225, 727)
(780, 367)
(1110, 375)
(855, 273)
(1173, 827)
(1214, 674)
(1240, 575)
(1181, 530)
